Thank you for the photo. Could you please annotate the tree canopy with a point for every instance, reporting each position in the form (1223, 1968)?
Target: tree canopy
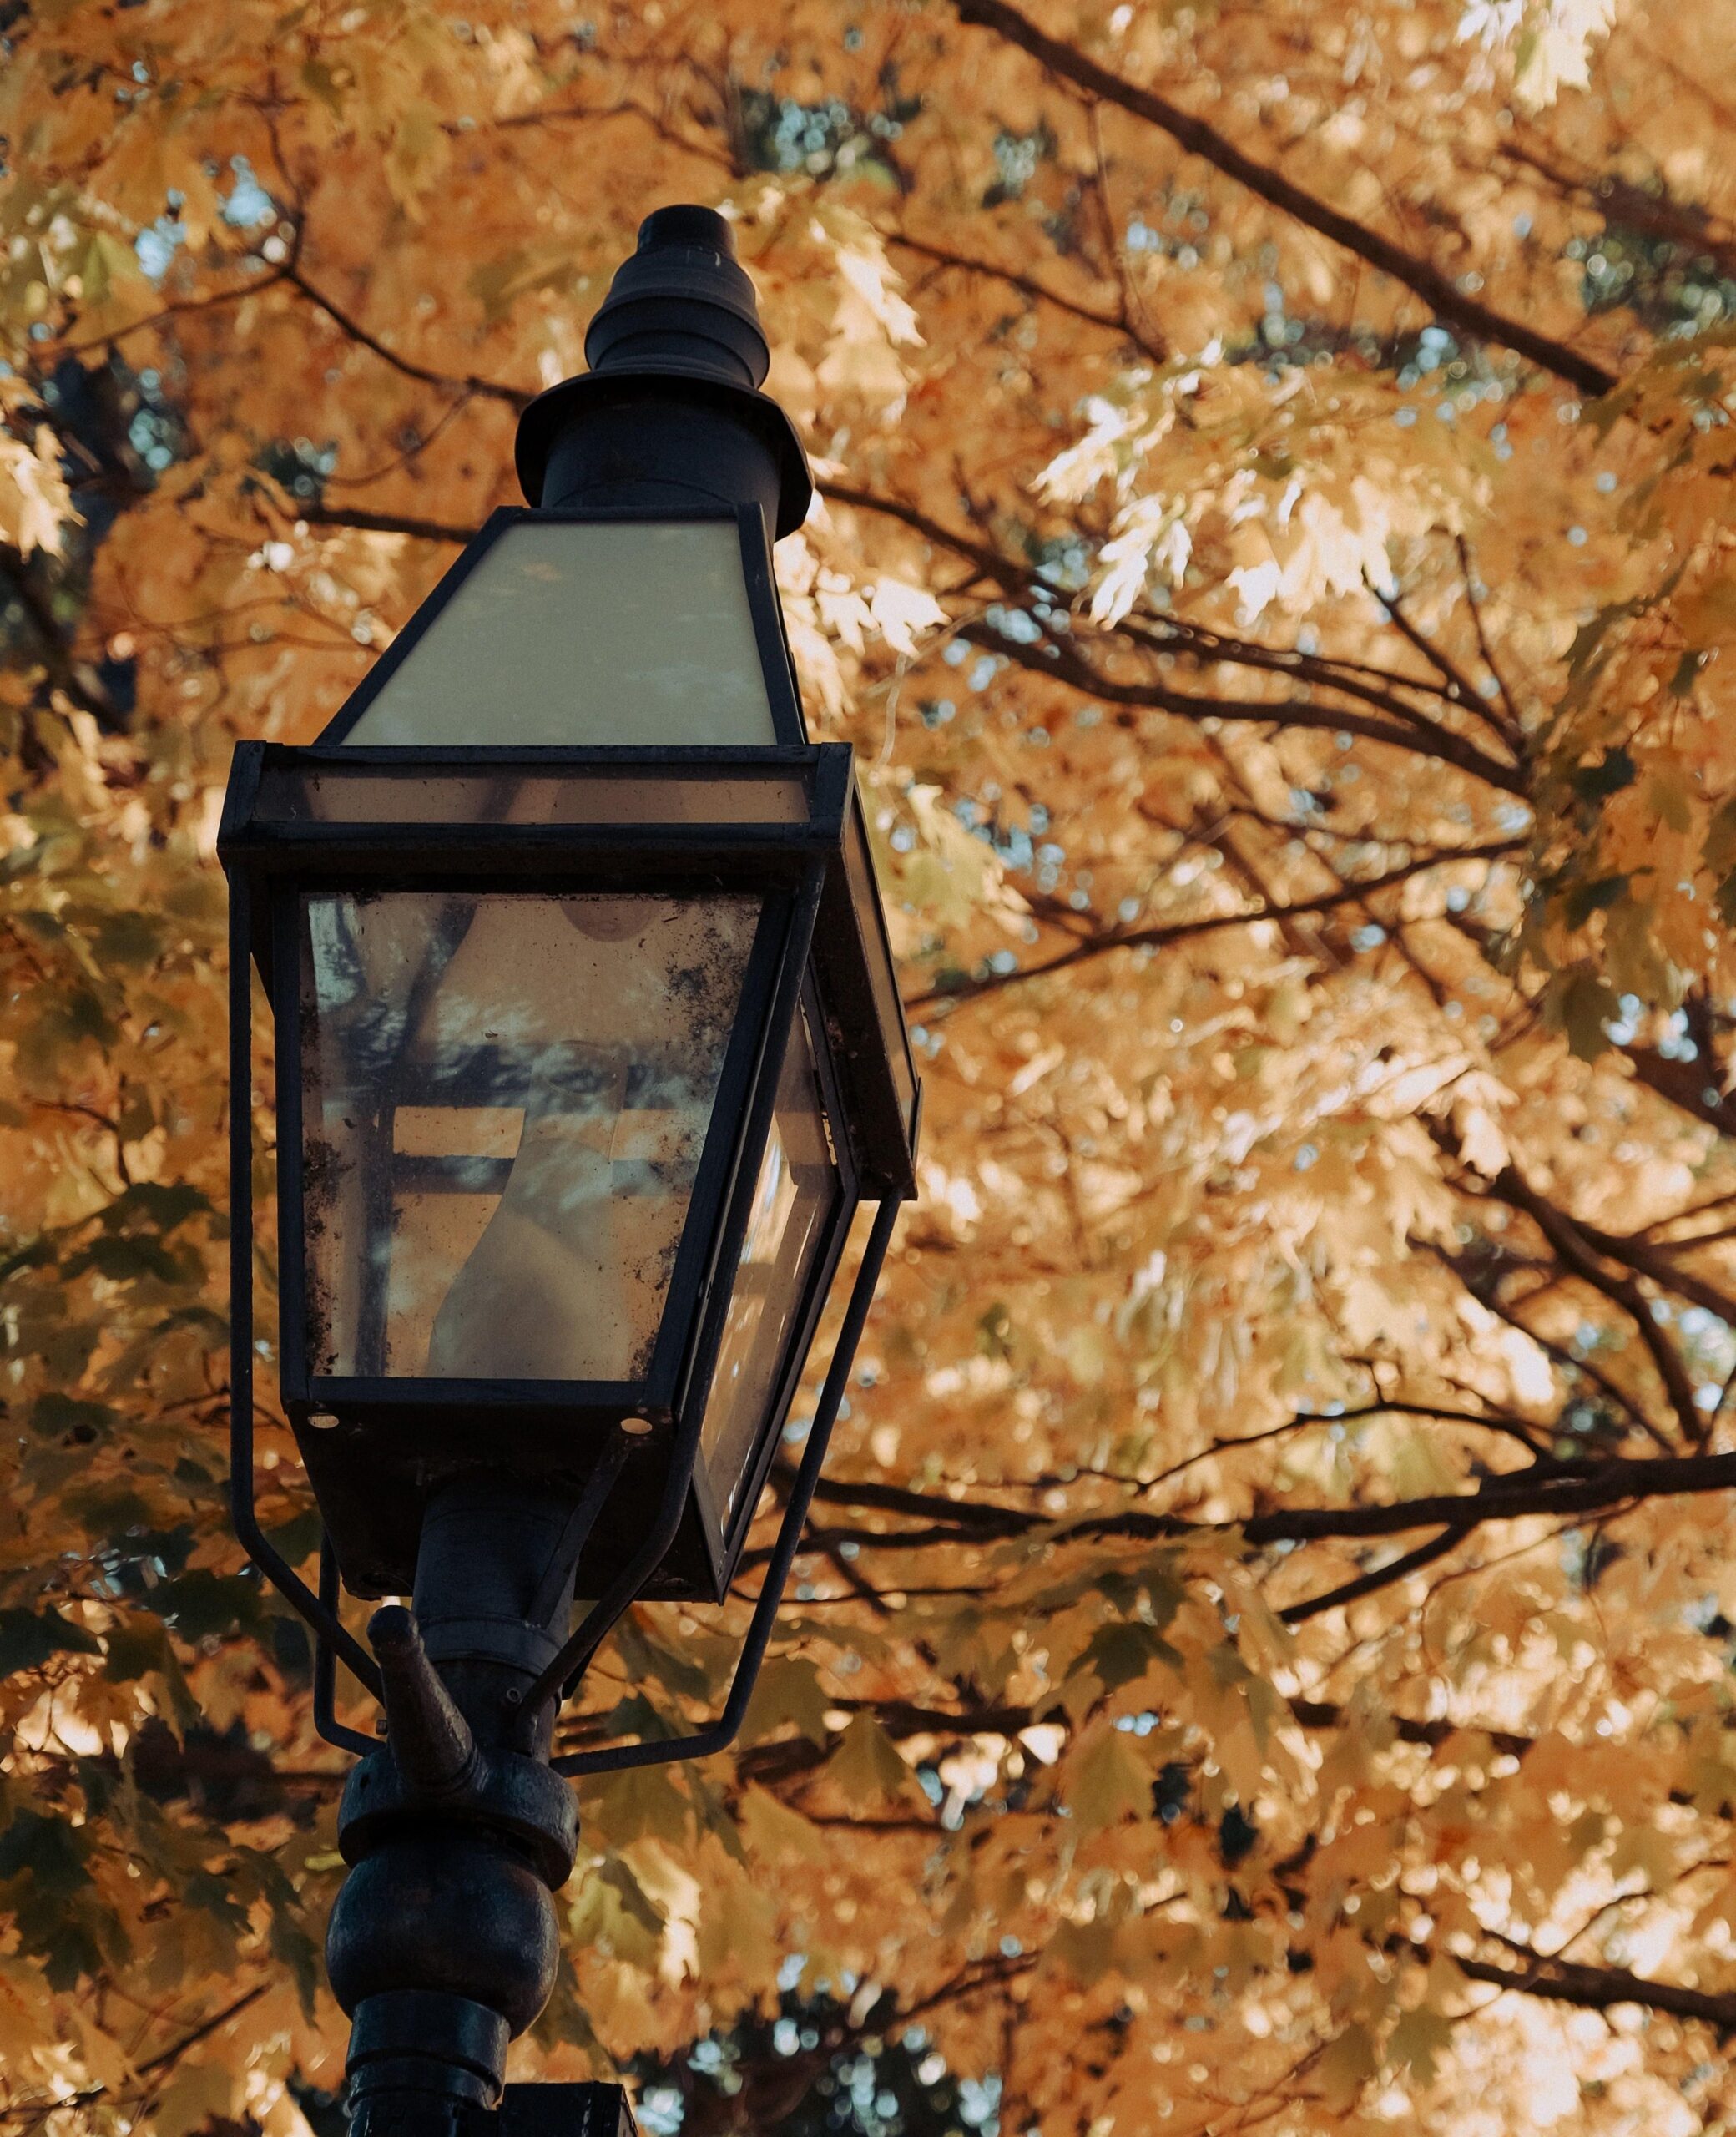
(1262, 1657)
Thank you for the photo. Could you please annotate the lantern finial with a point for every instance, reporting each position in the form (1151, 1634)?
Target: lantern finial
(679, 331)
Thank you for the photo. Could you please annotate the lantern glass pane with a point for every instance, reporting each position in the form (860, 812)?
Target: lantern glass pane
(607, 631)
(793, 1199)
(504, 1101)
(416, 793)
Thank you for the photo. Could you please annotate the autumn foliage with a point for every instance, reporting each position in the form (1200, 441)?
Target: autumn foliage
(1262, 1655)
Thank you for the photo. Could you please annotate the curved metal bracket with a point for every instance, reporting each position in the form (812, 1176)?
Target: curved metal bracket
(325, 1720)
(701, 1743)
(312, 1609)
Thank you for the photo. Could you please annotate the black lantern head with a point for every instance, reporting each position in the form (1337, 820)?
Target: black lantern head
(585, 1060)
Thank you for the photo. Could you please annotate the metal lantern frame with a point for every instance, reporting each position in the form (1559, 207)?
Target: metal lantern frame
(820, 952)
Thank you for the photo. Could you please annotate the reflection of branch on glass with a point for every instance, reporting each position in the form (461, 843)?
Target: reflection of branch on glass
(514, 1092)
(452, 923)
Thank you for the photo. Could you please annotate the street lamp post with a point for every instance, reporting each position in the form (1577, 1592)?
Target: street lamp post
(590, 1063)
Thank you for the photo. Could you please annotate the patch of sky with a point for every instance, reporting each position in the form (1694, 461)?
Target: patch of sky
(1013, 624)
(978, 2100)
(248, 204)
(1512, 816)
(1017, 156)
(1370, 937)
(660, 2110)
(156, 246)
(150, 433)
(983, 674)
(956, 652)
(1675, 1044)
(937, 711)
(791, 1971)
(1622, 1027)
(1065, 563)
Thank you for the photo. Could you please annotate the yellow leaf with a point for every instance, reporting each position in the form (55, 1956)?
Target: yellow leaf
(774, 1831)
(789, 1691)
(1107, 1779)
(867, 1765)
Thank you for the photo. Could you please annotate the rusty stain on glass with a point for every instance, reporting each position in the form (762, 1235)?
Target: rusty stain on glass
(505, 1098)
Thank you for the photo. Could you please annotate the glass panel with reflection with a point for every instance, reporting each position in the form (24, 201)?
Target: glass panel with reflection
(505, 1098)
(563, 632)
(793, 1199)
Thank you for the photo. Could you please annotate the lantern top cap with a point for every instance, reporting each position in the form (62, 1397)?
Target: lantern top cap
(680, 325)
(682, 305)
(703, 228)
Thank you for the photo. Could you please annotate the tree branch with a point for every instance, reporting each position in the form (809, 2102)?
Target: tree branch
(1181, 931)
(1600, 1988)
(1060, 660)
(1578, 1255)
(1553, 1489)
(1028, 286)
(1436, 289)
(1369, 1584)
(490, 388)
(168, 2057)
(383, 523)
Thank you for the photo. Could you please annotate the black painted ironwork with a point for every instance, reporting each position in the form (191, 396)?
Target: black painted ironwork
(491, 1502)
